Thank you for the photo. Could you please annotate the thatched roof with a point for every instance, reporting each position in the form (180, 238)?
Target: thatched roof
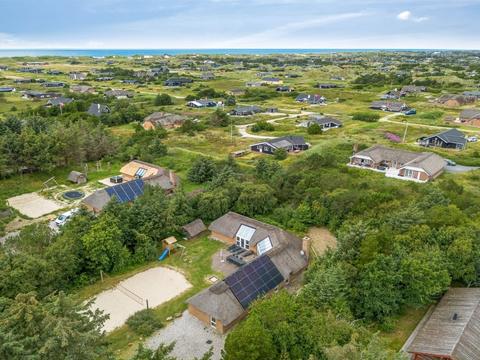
(453, 328)
(194, 228)
(229, 224)
(77, 176)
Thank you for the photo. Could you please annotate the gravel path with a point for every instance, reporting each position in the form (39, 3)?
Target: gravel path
(190, 336)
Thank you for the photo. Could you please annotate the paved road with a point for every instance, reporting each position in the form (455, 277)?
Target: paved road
(458, 169)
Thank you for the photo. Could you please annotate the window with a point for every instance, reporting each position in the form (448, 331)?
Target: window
(409, 173)
(213, 322)
(263, 246)
(244, 234)
(140, 172)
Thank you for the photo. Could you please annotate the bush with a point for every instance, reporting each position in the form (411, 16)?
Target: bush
(280, 154)
(144, 322)
(366, 116)
(202, 170)
(314, 129)
(262, 126)
(163, 99)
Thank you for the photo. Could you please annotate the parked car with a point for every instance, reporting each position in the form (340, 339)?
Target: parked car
(450, 162)
(410, 112)
(63, 218)
(472, 139)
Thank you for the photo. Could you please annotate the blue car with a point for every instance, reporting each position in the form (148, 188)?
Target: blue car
(410, 112)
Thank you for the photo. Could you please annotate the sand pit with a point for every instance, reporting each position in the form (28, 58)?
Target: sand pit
(322, 239)
(33, 205)
(157, 285)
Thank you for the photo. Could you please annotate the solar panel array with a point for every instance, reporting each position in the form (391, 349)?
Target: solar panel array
(126, 192)
(253, 280)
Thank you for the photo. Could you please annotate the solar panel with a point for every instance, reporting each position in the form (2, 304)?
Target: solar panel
(126, 192)
(253, 280)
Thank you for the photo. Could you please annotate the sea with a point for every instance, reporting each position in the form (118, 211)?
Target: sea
(172, 52)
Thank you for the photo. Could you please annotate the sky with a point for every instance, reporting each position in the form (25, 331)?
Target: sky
(198, 24)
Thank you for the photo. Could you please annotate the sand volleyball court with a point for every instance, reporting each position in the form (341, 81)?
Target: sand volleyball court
(157, 286)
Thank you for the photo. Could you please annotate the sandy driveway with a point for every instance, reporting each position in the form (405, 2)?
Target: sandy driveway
(157, 285)
(322, 239)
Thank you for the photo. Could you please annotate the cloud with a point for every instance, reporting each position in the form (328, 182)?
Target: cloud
(275, 33)
(407, 16)
(404, 15)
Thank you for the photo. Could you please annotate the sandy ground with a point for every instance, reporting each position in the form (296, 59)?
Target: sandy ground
(192, 338)
(33, 205)
(322, 239)
(157, 285)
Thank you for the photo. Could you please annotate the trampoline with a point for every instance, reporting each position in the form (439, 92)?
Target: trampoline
(73, 195)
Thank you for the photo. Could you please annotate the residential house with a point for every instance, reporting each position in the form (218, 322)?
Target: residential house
(399, 164)
(30, 70)
(23, 81)
(391, 106)
(194, 228)
(289, 143)
(119, 94)
(312, 99)
(163, 119)
(82, 89)
(98, 109)
(178, 81)
(246, 110)
(325, 122)
(254, 84)
(470, 117)
(448, 139)
(278, 258)
(455, 100)
(202, 103)
(38, 95)
(58, 101)
(326, 86)
(51, 84)
(284, 88)
(78, 76)
(7, 89)
(129, 81)
(3, 67)
(271, 81)
(104, 78)
(54, 72)
(392, 95)
(136, 175)
(449, 331)
(412, 89)
(475, 94)
(236, 92)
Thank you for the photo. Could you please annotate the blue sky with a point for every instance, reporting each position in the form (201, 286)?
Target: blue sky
(171, 24)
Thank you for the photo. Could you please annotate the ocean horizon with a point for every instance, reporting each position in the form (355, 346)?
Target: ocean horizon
(158, 52)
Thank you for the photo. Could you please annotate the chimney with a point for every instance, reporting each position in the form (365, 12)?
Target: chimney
(173, 179)
(306, 243)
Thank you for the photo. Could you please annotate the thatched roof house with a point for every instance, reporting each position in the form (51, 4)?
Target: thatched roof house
(77, 177)
(163, 119)
(194, 228)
